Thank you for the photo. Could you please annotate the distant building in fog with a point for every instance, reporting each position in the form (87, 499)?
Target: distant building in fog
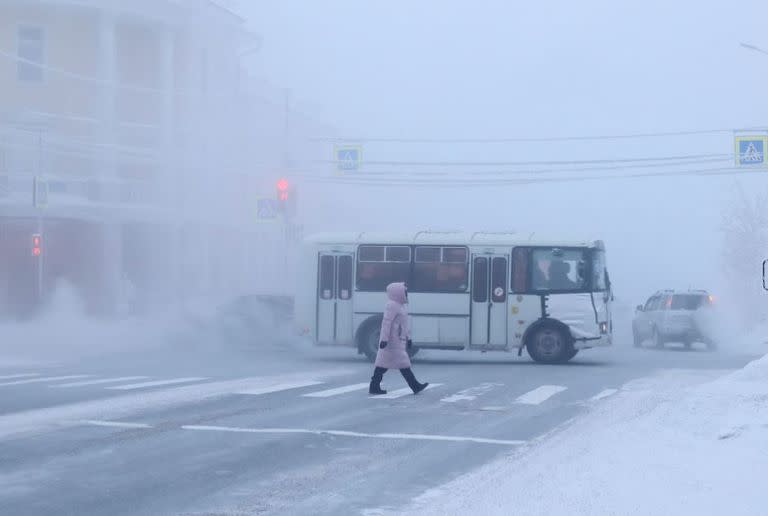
(139, 117)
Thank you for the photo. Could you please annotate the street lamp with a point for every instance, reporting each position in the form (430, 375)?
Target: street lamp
(754, 48)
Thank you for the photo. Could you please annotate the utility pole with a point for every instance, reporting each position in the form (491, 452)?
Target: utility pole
(38, 205)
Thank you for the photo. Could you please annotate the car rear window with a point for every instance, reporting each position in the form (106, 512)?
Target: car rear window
(687, 302)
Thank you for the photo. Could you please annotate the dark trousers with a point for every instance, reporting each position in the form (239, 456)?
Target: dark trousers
(410, 378)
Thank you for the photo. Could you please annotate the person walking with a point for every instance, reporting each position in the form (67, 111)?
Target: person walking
(394, 342)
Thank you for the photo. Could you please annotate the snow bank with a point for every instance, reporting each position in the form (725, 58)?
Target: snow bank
(65, 333)
(657, 448)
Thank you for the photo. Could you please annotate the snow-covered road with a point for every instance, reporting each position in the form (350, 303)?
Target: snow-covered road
(275, 431)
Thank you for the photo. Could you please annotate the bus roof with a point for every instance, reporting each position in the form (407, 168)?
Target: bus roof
(445, 238)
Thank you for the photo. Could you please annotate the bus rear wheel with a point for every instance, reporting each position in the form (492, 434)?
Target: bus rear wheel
(550, 345)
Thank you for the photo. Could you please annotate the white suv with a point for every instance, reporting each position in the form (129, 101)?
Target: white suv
(674, 316)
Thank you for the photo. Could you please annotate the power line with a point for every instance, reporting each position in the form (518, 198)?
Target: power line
(534, 139)
(464, 183)
(379, 174)
(528, 163)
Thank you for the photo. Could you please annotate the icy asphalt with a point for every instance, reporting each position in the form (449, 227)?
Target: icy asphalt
(263, 428)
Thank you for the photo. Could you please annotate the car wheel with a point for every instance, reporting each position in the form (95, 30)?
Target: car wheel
(550, 345)
(658, 342)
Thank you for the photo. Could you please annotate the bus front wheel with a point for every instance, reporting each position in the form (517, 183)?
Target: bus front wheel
(550, 345)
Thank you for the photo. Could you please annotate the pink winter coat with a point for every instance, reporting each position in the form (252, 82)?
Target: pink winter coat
(394, 330)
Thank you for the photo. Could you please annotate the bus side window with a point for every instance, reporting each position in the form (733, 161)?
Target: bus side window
(520, 270)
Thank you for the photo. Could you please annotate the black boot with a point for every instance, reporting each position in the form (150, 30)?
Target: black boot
(375, 386)
(415, 386)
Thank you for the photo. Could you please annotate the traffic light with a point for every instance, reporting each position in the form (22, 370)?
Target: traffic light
(283, 187)
(37, 245)
(286, 198)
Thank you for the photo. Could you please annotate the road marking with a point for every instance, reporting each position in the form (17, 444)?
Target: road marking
(279, 387)
(114, 424)
(344, 433)
(45, 379)
(156, 383)
(99, 382)
(12, 376)
(470, 394)
(399, 393)
(540, 394)
(603, 394)
(339, 390)
(26, 422)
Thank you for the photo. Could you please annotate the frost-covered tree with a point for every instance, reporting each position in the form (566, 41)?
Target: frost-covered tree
(745, 246)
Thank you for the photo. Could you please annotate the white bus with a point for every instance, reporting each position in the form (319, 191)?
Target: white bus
(466, 291)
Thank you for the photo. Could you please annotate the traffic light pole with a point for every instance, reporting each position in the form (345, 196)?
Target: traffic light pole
(37, 203)
(40, 259)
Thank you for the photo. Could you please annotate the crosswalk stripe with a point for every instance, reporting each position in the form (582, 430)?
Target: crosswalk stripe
(470, 394)
(540, 394)
(280, 387)
(99, 382)
(14, 376)
(44, 379)
(156, 383)
(339, 390)
(399, 393)
(604, 394)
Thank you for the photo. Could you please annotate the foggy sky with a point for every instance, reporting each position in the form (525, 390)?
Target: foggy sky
(496, 68)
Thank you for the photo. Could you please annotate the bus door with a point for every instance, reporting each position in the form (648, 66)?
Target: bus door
(334, 298)
(489, 301)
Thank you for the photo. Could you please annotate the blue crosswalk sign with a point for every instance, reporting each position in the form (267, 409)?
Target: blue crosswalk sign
(266, 209)
(751, 152)
(348, 157)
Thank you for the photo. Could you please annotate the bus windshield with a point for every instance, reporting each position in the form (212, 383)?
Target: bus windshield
(566, 270)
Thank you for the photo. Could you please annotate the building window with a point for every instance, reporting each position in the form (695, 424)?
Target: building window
(31, 54)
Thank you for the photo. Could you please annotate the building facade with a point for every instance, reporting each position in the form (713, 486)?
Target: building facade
(136, 121)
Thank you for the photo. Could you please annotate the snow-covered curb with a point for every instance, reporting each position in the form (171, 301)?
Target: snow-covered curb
(656, 448)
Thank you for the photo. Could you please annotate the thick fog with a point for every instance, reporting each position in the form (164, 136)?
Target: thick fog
(497, 70)
(565, 120)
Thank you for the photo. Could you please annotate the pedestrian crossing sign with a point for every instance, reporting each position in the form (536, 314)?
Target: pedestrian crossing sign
(750, 151)
(347, 157)
(266, 209)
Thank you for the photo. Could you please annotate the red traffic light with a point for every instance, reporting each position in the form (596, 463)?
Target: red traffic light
(37, 244)
(283, 187)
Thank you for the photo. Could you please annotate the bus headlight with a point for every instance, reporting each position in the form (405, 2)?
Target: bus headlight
(603, 328)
